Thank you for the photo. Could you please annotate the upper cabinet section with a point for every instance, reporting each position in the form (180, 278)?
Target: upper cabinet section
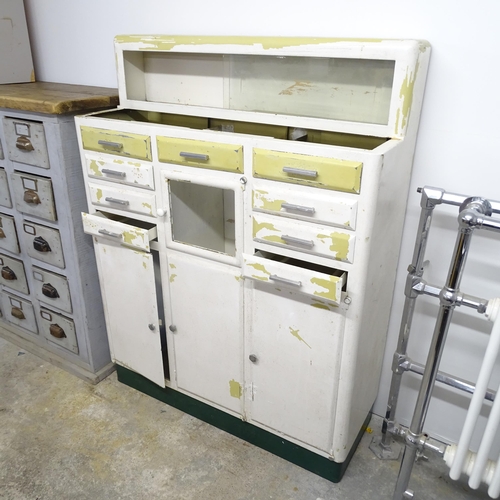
(355, 86)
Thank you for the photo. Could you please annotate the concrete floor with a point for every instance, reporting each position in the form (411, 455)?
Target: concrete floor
(61, 438)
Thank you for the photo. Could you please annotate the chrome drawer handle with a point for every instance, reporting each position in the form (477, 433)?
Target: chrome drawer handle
(193, 156)
(113, 172)
(297, 241)
(110, 145)
(105, 232)
(300, 171)
(298, 208)
(116, 200)
(285, 281)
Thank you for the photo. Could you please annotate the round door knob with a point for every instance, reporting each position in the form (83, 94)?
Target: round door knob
(253, 358)
(172, 328)
(160, 212)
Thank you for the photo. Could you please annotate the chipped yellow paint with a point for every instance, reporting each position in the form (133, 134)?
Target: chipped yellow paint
(259, 226)
(119, 162)
(164, 42)
(330, 285)
(130, 236)
(172, 266)
(340, 244)
(144, 265)
(94, 168)
(132, 145)
(260, 200)
(238, 278)
(320, 305)
(98, 195)
(148, 206)
(260, 267)
(406, 95)
(235, 389)
(295, 333)
(227, 157)
(297, 87)
(332, 173)
(172, 277)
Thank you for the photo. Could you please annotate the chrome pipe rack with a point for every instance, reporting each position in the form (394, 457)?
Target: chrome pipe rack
(474, 213)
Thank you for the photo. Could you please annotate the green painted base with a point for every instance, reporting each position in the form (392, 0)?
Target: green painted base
(306, 459)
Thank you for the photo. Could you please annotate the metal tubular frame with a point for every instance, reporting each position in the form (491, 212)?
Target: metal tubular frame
(475, 213)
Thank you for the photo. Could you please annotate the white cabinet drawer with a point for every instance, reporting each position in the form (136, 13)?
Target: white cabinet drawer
(128, 234)
(43, 243)
(52, 289)
(58, 329)
(25, 142)
(19, 312)
(5, 199)
(33, 195)
(12, 274)
(308, 204)
(122, 171)
(8, 234)
(304, 237)
(123, 199)
(322, 286)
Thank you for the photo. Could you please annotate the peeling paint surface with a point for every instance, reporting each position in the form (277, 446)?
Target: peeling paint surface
(262, 200)
(330, 285)
(339, 244)
(295, 333)
(172, 278)
(235, 389)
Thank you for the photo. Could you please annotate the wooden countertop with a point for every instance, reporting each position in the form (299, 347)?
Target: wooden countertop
(56, 98)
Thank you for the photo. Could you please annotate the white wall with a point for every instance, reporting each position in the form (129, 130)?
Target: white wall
(458, 144)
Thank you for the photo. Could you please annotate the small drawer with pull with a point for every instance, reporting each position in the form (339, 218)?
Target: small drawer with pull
(326, 173)
(322, 207)
(202, 154)
(52, 289)
(123, 232)
(116, 143)
(8, 234)
(19, 312)
(25, 142)
(33, 195)
(324, 284)
(304, 237)
(43, 243)
(5, 199)
(58, 329)
(134, 173)
(12, 274)
(123, 199)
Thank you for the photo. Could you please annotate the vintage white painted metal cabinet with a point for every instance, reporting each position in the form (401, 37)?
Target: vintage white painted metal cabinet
(49, 289)
(246, 202)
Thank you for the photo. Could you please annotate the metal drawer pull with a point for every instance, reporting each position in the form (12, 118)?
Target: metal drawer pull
(194, 156)
(56, 331)
(41, 245)
(24, 144)
(17, 313)
(113, 172)
(298, 208)
(110, 145)
(8, 274)
(105, 232)
(31, 197)
(300, 171)
(116, 200)
(285, 280)
(297, 241)
(2, 234)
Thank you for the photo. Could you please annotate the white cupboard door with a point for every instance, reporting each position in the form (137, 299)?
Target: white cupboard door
(292, 362)
(207, 310)
(129, 295)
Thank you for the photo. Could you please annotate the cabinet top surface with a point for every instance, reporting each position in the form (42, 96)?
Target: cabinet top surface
(56, 98)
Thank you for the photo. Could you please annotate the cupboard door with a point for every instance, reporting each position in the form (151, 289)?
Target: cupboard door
(292, 362)
(207, 308)
(129, 296)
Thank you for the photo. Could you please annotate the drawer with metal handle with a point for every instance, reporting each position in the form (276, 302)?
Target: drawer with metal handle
(320, 172)
(116, 143)
(121, 171)
(12, 274)
(305, 237)
(8, 234)
(123, 199)
(323, 285)
(305, 204)
(58, 329)
(130, 233)
(52, 289)
(43, 243)
(19, 312)
(25, 142)
(5, 199)
(202, 154)
(33, 195)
